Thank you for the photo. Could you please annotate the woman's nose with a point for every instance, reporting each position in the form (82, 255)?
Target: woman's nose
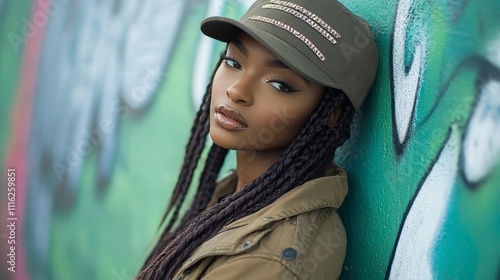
(241, 91)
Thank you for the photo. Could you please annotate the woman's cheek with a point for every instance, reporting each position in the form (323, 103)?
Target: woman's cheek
(289, 116)
(220, 82)
(282, 123)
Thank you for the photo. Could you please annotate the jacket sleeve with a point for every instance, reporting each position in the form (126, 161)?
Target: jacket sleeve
(250, 268)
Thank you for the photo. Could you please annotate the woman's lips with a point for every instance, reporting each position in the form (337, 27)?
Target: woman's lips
(229, 118)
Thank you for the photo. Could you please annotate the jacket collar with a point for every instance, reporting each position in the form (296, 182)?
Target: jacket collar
(324, 192)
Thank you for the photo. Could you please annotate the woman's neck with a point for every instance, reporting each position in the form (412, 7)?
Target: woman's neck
(252, 164)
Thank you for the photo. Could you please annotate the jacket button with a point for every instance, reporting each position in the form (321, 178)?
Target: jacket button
(289, 253)
(246, 244)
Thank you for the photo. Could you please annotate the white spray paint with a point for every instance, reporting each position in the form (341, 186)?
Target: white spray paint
(481, 145)
(413, 257)
(203, 57)
(406, 84)
(205, 50)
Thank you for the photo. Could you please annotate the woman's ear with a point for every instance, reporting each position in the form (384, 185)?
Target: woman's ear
(334, 117)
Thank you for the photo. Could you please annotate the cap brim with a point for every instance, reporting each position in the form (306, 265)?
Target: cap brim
(224, 29)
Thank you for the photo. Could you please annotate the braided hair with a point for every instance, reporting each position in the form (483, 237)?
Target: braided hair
(304, 159)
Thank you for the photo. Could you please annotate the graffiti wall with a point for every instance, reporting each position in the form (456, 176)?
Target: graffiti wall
(97, 99)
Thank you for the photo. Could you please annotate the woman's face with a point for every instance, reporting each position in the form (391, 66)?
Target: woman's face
(258, 104)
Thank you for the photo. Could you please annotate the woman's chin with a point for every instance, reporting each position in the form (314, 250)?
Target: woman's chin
(223, 141)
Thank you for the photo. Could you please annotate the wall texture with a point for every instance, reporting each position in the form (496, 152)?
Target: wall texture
(96, 98)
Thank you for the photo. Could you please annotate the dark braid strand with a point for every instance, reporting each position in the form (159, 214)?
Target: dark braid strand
(193, 153)
(207, 184)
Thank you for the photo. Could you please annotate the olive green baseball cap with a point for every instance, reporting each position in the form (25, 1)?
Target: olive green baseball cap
(319, 39)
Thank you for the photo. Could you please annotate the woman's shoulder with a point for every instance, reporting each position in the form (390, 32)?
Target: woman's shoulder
(310, 245)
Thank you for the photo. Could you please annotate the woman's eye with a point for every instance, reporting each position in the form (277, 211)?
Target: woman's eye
(231, 62)
(281, 86)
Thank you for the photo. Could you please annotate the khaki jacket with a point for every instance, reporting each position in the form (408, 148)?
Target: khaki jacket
(299, 236)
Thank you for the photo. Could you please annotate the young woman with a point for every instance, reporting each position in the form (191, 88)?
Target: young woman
(283, 95)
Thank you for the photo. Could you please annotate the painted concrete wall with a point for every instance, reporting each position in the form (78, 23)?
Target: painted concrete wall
(96, 97)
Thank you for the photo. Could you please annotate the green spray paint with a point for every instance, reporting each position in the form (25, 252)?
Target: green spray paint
(446, 69)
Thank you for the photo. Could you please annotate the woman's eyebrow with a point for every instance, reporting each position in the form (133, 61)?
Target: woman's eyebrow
(239, 45)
